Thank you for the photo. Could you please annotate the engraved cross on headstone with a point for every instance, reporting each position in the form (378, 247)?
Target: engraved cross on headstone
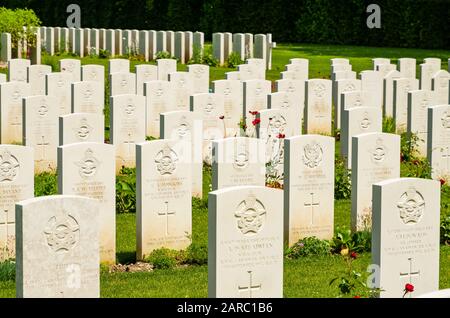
(42, 143)
(250, 287)
(167, 213)
(130, 142)
(6, 222)
(410, 274)
(311, 206)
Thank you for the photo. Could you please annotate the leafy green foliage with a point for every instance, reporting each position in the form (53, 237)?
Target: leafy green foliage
(13, 21)
(104, 54)
(309, 246)
(342, 183)
(7, 270)
(126, 191)
(208, 57)
(345, 241)
(197, 55)
(388, 125)
(163, 258)
(163, 55)
(233, 60)
(445, 230)
(196, 254)
(45, 183)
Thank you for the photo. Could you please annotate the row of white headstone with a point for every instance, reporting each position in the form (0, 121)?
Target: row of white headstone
(21, 49)
(87, 41)
(245, 45)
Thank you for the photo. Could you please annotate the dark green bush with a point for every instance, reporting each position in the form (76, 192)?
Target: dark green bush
(196, 254)
(126, 191)
(345, 240)
(233, 60)
(45, 183)
(7, 270)
(309, 246)
(342, 183)
(163, 258)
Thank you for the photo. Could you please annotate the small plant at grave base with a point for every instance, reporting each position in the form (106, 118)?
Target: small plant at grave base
(351, 280)
(445, 230)
(208, 57)
(309, 246)
(104, 54)
(345, 241)
(150, 138)
(197, 55)
(45, 183)
(233, 60)
(163, 258)
(163, 55)
(7, 270)
(126, 191)
(408, 146)
(342, 184)
(388, 125)
(196, 254)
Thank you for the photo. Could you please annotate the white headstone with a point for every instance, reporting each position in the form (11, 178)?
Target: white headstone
(318, 106)
(145, 73)
(36, 78)
(94, 73)
(200, 78)
(88, 97)
(308, 187)
(245, 223)
(159, 98)
(384, 69)
(295, 87)
(440, 85)
(180, 50)
(407, 67)
(161, 41)
(239, 45)
(81, 127)
(426, 74)
(11, 94)
(375, 157)
(88, 169)
(343, 86)
(127, 127)
(218, 47)
(255, 96)
(405, 235)
(238, 161)
(163, 197)
(17, 70)
(165, 67)
(144, 45)
(401, 88)
(438, 142)
(231, 90)
(118, 66)
(380, 61)
(58, 85)
(183, 87)
(184, 127)
(40, 130)
(290, 103)
(58, 247)
(388, 93)
(122, 83)
(110, 42)
(16, 183)
(71, 66)
(372, 82)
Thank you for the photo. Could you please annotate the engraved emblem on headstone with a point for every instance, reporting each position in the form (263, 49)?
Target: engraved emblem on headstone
(16, 93)
(250, 215)
(445, 120)
(183, 127)
(88, 92)
(319, 90)
(62, 233)
(379, 151)
(130, 108)
(411, 206)
(9, 167)
(312, 155)
(350, 87)
(365, 122)
(88, 165)
(276, 125)
(123, 82)
(84, 129)
(166, 160)
(209, 107)
(43, 109)
(159, 91)
(60, 82)
(241, 156)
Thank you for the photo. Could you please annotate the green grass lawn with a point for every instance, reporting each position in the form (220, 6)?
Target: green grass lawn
(304, 277)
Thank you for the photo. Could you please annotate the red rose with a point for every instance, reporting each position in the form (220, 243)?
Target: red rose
(281, 135)
(254, 113)
(409, 288)
(256, 121)
(356, 296)
(442, 181)
(353, 255)
(222, 117)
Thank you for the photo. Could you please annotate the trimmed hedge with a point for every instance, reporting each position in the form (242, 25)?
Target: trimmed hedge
(404, 23)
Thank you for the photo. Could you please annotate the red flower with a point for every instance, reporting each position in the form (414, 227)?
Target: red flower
(353, 255)
(222, 117)
(254, 113)
(281, 135)
(442, 181)
(409, 288)
(356, 296)
(256, 121)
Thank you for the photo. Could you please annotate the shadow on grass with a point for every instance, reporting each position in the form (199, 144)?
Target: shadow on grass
(126, 257)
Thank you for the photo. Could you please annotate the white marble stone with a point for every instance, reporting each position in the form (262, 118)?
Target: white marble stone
(255, 96)
(384, 69)
(127, 127)
(11, 94)
(407, 67)
(183, 87)
(118, 66)
(372, 82)
(71, 66)
(186, 128)
(440, 85)
(16, 184)
(122, 83)
(401, 88)
(342, 86)
(231, 90)
(200, 78)
(93, 73)
(405, 235)
(288, 101)
(145, 73)
(245, 243)
(388, 93)
(218, 47)
(81, 127)
(438, 142)
(295, 87)
(36, 78)
(163, 197)
(308, 188)
(87, 97)
(159, 98)
(165, 67)
(180, 49)
(88, 169)
(58, 84)
(17, 70)
(426, 74)
(161, 41)
(238, 161)
(40, 130)
(375, 157)
(58, 248)
(318, 106)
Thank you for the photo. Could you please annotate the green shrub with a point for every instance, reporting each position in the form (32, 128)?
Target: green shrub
(445, 230)
(7, 270)
(163, 55)
(208, 57)
(309, 246)
(233, 60)
(408, 146)
(342, 183)
(126, 191)
(196, 254)
(163, 258)
(45, 183)
(345, 241)
(104, 54)
(197, 55)
(388, 125)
